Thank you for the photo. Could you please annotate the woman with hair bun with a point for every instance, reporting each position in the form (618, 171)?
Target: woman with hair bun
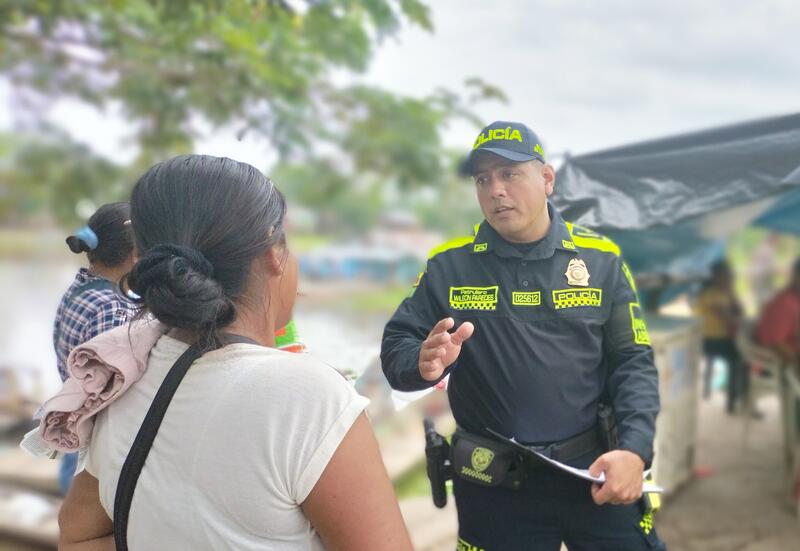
(93, 303)
(257, 448)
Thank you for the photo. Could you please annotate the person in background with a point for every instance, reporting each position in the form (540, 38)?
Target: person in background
(762, 270)
(720, 315)
(93, 303)
(778, 326)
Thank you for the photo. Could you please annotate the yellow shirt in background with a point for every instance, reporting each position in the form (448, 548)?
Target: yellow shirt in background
(709, 304)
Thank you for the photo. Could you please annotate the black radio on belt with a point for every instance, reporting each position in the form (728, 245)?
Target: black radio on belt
(437, 454)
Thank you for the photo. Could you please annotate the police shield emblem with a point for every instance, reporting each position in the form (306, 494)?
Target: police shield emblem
(577, 274)
(481, 459)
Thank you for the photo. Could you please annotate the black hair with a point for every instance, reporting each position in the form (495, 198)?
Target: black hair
(716, 269)
(114, 238)
(199, 222)
(719, 267)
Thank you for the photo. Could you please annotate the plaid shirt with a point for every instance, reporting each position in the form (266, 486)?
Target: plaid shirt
(87, 315)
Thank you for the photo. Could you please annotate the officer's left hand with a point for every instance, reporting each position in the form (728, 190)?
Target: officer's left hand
(624, 471)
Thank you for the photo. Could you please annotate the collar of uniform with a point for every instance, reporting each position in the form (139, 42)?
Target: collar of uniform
(558, 237)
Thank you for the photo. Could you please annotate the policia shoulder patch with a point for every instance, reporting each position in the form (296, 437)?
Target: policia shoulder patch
(640, 334)
(474, 298)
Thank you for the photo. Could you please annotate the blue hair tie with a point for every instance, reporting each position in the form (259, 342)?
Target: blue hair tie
(87, 235)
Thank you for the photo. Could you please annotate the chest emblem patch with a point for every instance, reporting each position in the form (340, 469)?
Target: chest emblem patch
(577, 274)
(474, 298)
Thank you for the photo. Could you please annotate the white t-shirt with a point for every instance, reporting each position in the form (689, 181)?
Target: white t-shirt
(245, 439)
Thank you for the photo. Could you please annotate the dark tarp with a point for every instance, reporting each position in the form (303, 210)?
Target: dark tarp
(671, 203)
(784, 215)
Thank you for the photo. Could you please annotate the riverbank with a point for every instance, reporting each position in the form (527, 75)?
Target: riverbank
(353, 296)
(47, 241)
(45, 245)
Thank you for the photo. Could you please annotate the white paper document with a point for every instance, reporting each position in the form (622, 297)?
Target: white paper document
(584, 473)
(580, 473)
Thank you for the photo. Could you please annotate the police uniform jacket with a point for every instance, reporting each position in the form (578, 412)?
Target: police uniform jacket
(558, 326)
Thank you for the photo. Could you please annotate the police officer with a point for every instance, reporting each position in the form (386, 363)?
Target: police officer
(537, 321)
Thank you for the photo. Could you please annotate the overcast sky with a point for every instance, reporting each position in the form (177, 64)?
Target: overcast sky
(588, 75)
(584, 75)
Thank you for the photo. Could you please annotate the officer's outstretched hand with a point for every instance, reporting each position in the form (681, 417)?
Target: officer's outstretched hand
(624, 472)
(441, 348)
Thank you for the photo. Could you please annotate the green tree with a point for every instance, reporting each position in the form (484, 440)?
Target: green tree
(390, 149)
(54, 175)
(260, 66)
(262, 63)
(450, 205)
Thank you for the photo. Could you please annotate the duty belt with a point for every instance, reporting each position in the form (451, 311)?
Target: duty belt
(572, 448)
(499, 461)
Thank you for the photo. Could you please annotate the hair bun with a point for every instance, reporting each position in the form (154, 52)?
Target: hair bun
(176, 284)
(77, 245)
(179, 258)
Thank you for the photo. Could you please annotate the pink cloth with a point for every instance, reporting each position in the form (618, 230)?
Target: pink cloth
(101, 370)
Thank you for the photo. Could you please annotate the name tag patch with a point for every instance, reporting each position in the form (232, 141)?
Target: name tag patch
(474, 298)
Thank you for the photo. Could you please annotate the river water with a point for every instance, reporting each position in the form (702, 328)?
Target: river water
(31, 290)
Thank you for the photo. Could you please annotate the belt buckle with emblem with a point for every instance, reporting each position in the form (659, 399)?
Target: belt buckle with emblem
(577, 273)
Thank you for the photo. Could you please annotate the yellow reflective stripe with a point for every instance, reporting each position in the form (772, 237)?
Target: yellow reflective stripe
(652, 500)
(647, 523)
(452, 244)
(574, 228)
(464, 545)
(629, 276)
(476, 228)
(605, 245)
(600, 243)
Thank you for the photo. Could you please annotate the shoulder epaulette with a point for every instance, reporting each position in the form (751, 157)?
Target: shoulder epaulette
(452, 244)
(588, 239)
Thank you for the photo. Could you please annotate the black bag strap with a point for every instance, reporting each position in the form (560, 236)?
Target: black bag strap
(132, 468)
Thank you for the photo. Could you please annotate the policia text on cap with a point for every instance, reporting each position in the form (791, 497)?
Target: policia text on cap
(538, 323)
